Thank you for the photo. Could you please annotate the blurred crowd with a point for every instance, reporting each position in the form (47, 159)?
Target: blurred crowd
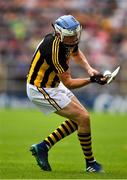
(24, 23)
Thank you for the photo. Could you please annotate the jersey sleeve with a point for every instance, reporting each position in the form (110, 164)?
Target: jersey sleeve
(58, 58)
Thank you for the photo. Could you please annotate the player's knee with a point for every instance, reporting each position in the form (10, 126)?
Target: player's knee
(84, 118)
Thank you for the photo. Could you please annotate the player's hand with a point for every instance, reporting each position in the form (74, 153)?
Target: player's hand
(99, 79)
(92, 71)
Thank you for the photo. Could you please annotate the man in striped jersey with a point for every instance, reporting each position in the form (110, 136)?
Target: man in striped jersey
(48, 87)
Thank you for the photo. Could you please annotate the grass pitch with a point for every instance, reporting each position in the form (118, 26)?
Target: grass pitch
(19, 129)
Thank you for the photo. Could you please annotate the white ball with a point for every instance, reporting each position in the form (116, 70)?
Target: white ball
(107, 73)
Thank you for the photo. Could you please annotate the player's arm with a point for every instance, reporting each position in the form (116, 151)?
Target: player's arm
(80, 58)
(71, 83)
(61, 67)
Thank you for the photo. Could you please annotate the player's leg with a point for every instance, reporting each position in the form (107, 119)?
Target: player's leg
(89, 166)
(65, 129)
(40, 150)
(80, 115)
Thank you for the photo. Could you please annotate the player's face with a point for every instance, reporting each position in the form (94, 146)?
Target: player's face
(70, 40)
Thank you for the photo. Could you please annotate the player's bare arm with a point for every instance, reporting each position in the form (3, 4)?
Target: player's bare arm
(71, 83)
(80, 58)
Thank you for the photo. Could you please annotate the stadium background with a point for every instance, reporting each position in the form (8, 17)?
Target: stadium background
(103, 40)
(23, 23)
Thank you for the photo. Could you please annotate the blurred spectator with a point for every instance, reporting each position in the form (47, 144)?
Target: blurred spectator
(104, 36)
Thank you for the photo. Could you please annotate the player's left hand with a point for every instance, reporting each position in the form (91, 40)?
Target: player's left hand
(92, 71)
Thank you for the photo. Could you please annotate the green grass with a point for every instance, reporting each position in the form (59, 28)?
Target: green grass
(21, 128)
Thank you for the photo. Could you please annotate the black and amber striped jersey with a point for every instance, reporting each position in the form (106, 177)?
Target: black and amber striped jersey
(50, 59)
